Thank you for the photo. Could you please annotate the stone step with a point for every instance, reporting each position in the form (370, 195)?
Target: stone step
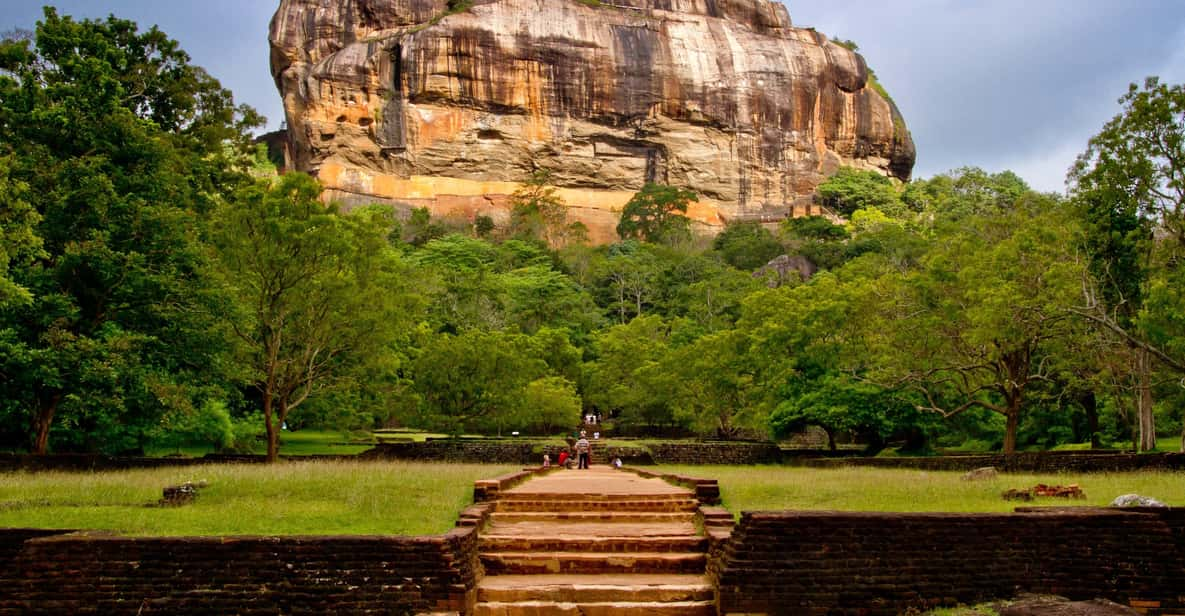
(610, 608)
(563, 528)
(533, 563)
(595, 588)
(615, 545)
(600, 517)
(599, 505)
(518, 495)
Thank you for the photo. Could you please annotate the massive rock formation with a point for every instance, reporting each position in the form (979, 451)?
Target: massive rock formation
(448, 103)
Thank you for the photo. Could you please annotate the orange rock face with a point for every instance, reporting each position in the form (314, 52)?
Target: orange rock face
(414, 103)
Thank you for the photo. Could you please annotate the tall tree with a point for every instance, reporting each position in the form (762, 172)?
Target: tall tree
(976, 326)
(118, 146)
(657, 214)
(476, 379)
(538, 211)
(1130, 187)
(317, 292)
(855, 189)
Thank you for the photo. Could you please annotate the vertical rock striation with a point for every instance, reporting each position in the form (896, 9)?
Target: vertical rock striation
(448, 104)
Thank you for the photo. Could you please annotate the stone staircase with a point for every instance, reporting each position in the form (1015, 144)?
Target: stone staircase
(594, 542)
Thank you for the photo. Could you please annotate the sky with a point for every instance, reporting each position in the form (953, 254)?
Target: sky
(997, 84)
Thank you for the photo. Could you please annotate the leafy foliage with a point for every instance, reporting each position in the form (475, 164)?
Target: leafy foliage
(112, 149)
(656, 214)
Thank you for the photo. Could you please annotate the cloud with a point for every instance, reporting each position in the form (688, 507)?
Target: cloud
(1006, 83)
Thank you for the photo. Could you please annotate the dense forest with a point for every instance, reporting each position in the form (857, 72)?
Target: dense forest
(160, 283)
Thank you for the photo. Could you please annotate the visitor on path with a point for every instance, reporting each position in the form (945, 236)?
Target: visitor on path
(582, 447)
(616, 462)
(564, 458)
(546, 461)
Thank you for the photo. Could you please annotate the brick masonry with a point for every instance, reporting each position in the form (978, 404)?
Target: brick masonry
(823, 563)
(1033, 462)
(48, 572)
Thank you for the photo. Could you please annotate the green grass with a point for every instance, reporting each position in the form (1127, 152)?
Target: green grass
(773, 488)
(292, 443)
(978, 610)
(296, 498)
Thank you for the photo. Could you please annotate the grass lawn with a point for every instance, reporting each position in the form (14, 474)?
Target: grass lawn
(774, 488)
(295, 443)
(295, 498)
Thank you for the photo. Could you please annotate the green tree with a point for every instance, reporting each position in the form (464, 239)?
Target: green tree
(656, 214)
(854, 189)
(620, 378)
(550, 405)
(474, 379)
(1130, 185)
(629, 280)
(842, 405)
(714, 389)
(978, 325)
(317, 292)
(421, 229)
(967, 191)
(118, 146)
(747, 245)
(538, 211)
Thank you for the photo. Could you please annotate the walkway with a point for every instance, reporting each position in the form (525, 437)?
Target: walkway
(594, 542)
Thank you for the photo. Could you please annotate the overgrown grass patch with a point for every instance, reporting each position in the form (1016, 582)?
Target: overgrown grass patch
(296, 498)
(776, 488)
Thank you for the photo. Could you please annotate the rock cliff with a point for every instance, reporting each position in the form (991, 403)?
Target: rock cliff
(449, 103)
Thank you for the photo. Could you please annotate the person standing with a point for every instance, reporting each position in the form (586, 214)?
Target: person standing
(582, 448)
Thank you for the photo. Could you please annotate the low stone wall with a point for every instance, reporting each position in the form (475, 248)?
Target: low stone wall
(1035, 462)
(883, 564)
(724, 452)
(87, 574)
(459, 450)
(99, 462)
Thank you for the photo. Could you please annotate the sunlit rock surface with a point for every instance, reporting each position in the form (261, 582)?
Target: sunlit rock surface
(400, 101)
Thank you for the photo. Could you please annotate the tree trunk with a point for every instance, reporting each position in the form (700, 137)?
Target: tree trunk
(44, 421)
(1144, 416)
(1090, 404)
(273, 437)
(1012, 419)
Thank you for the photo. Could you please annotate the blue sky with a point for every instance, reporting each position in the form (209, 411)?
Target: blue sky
(1000, 84)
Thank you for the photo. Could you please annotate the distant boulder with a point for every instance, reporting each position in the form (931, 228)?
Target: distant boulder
(786, 268)
(1135, 500)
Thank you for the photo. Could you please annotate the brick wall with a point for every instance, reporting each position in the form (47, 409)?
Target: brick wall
(1038, 462)
(81, 574)
(882, 564)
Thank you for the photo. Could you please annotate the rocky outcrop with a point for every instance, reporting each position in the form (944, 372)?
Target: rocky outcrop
(449, 103)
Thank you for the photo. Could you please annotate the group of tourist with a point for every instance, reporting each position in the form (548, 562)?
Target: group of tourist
(583, 450)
